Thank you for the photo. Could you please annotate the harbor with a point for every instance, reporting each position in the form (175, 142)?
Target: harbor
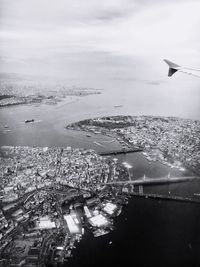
(149, 226)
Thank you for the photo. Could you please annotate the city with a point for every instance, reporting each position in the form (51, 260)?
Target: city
(49, 197)
(99, 133)
(172, 141)
(20, 91)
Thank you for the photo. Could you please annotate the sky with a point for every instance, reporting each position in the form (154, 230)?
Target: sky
(114, 39)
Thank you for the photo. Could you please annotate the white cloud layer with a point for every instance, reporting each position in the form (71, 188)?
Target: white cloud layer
(111, 35)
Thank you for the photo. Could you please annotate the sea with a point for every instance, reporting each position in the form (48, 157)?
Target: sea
(148, 232)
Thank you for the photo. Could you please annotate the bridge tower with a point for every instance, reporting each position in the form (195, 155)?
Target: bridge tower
(140, 189)
(129, 174)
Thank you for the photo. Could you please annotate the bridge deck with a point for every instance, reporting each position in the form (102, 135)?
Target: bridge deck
(162, 180)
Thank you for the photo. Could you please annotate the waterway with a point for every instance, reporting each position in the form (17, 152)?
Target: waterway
(148, 232)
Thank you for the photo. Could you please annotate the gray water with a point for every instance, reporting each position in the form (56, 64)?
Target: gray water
(179, 98)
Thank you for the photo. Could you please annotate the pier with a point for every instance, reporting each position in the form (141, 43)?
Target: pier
(122, 151)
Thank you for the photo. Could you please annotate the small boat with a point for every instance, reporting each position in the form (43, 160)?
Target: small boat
(88, 135)
(100, 232)
(27, 121)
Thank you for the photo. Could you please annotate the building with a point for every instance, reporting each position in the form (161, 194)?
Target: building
(73, 223)
(45, 223)
(98, 220)
(109, 208)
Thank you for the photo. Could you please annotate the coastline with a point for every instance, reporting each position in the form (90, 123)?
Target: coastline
(81, 126)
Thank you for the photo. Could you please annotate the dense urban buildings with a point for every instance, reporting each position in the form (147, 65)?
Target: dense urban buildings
(171, 140)
(49, 197)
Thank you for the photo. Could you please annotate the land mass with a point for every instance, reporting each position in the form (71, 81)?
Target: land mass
(16, 91)
(172, 141)
(49, 197)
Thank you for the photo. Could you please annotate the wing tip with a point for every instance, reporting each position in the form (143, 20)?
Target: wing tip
(173, 67)
(171, 64)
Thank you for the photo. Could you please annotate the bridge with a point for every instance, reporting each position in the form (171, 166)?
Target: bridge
(150, 181)
(166, 197)
(121, 151)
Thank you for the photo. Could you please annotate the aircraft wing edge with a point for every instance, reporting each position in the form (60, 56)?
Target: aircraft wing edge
(173, 67)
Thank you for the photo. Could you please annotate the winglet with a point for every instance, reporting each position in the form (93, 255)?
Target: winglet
(172, 67)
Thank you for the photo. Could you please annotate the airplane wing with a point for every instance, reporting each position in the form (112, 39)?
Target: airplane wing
(173, 67)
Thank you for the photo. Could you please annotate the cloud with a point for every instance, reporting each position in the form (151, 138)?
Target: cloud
(42, 14)
(109, 34)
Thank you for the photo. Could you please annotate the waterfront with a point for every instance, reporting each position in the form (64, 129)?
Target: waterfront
(166, 232)
(74, 191)
(148, 233)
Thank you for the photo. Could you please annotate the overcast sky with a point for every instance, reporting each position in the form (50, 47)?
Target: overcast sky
(98, 37)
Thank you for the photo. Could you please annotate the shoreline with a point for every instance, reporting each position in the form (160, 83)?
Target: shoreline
(118, 127)
(164, 163)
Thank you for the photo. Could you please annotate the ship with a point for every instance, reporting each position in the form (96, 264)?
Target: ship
(100, 232)
(27, 121)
